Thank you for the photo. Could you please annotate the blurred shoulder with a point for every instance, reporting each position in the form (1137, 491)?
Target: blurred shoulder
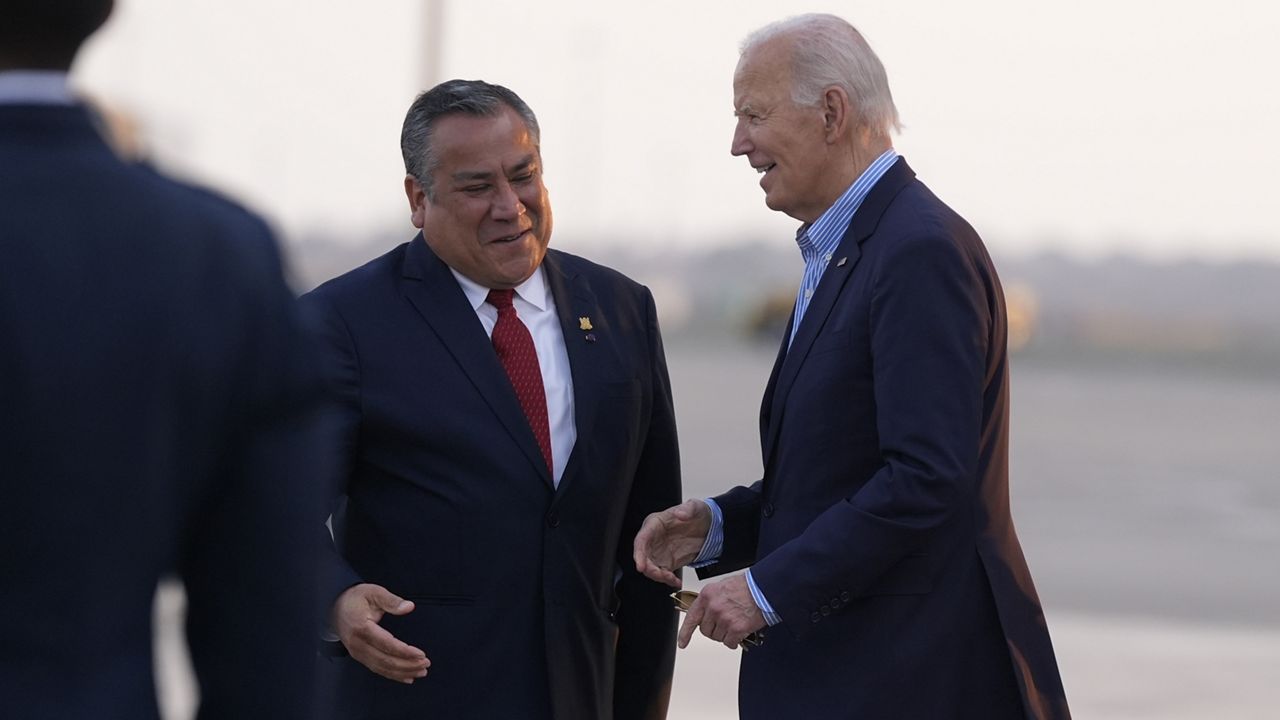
(188, 202)
(195, 231)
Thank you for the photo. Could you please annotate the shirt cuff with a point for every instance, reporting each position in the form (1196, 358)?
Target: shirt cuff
(714, 544)
(770, 617)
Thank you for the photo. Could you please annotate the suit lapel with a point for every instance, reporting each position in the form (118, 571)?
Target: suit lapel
(433, 291)
(766, 405)
(843, 260)
(574, 300)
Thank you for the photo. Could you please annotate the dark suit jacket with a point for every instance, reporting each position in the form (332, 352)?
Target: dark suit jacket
(152, 407)
(881, 530)
(519, 601)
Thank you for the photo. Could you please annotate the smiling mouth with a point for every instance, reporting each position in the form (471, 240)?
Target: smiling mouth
(510, 238)
(762, 169)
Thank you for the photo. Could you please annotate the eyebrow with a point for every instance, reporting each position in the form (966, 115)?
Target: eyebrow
(471, 175)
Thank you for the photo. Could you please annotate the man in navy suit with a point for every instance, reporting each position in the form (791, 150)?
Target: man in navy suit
(885, 573)
(155, 416)
(508, 425)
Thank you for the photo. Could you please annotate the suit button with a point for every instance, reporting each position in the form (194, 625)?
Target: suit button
(835, 603)
(844, 596)
(553, 520)
(815, 617)
(768, 510)
(825, 610)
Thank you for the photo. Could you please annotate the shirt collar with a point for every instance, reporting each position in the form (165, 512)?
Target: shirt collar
(821, 237)
(532, 291)
(35, 87)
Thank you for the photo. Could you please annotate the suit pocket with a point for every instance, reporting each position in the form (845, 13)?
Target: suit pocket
(610, 609)
(910, 576)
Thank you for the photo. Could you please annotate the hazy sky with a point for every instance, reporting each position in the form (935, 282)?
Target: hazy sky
(1088, 127)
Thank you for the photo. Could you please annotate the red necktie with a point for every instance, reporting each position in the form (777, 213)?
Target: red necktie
(514, 345)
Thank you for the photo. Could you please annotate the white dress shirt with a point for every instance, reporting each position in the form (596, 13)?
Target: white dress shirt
(537, 310)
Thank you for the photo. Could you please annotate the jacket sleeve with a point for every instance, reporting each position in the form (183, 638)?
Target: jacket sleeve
(250, 564)
(741, 509)
(340, 365)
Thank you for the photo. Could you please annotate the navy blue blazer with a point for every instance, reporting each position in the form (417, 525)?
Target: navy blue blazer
(881, 530)
(154, 407)
(527, 601)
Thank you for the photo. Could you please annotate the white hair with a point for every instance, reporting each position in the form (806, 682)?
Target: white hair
(827, 51)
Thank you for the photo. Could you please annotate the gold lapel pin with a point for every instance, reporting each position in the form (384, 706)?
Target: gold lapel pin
(584, 323)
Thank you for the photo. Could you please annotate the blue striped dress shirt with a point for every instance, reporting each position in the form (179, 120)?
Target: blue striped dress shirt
(817, 241)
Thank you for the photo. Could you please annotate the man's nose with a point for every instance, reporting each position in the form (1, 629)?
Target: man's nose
(506, 203)
(741, 145)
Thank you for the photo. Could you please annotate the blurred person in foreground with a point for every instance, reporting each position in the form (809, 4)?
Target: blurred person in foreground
(155, 417)
(884, 573)
(508, 426)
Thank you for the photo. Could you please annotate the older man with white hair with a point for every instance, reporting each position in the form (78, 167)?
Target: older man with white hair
(885, 577)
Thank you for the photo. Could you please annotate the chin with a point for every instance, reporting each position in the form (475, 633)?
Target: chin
(516, 273)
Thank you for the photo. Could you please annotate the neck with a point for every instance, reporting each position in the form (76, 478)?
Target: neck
(864, 152)
(848, 165)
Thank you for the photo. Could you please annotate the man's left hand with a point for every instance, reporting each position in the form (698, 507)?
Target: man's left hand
(725, 611)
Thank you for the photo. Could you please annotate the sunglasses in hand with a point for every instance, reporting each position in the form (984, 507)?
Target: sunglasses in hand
(684, 600)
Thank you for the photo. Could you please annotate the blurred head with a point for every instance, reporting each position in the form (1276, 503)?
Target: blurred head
(813, 108)
(474, 181)
(46, 34)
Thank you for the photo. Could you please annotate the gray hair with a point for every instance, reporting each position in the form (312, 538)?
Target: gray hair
(827, 51)
(476, 98)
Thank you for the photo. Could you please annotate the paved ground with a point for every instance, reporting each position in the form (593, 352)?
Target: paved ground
(1114, 669)
(1147, 503)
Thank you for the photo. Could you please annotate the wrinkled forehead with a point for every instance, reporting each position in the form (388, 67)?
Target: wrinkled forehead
(763, 74)
(773, 53)
(502, 140)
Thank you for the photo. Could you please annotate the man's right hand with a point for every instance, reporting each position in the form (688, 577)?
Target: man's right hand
(671, 539)
(355, 617)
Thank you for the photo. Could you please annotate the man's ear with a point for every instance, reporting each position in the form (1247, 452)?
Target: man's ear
(836, 114)
(417, 201)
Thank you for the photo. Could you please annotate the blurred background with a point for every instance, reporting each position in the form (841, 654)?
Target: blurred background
(1119, 157)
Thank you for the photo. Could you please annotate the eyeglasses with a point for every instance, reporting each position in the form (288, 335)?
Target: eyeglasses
(684, 600)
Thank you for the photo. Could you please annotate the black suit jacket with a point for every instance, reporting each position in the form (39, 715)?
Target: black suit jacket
(154, 414)
(527, 601)
(881, 530)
